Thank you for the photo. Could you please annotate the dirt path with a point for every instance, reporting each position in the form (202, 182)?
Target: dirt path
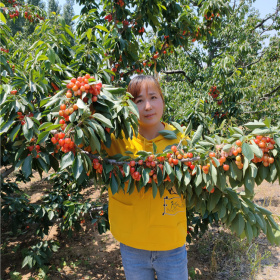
(217, 255)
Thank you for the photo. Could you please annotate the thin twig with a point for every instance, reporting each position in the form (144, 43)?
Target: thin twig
(7, 172)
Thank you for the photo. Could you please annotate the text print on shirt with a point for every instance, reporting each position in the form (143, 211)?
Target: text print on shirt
(173, 205)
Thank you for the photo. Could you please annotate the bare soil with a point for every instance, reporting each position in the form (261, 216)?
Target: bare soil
(89, 255)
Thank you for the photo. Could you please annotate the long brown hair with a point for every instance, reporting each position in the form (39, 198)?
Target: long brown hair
(135, 85)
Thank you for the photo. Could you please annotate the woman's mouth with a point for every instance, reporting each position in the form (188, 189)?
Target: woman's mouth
(149, 116)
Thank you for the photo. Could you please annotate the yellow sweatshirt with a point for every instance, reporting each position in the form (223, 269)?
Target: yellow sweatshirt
(139, 220)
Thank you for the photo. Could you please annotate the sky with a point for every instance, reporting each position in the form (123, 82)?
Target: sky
(264, 6)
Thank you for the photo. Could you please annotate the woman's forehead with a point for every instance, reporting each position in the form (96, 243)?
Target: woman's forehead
(148, 86)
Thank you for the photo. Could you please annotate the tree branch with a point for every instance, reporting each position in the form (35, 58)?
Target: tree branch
(7, 172)
(115, 162)
(179, 72)
(270, 93)
(264, 20)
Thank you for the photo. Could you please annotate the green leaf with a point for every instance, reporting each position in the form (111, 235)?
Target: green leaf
(89, 33)
(50, 215)
(78, 166)
(114, 184)
(133, 108)
(43, 136)
(103, 120)
(155, 189)
(188, 129)
(256, 149)
(177, 126)
(187, 178)
(131, 185)
(94, 142)
(247, 151)
(154, 148)
(249, 231)
(45, 125)
(238, 130)
(227, 148)
(263, 210)
(27, 167)
(234, 198)
(267, 121)
(169, 170)
(28, 133)
(126, 169)
(269, 234)
(253, 125)
(14, 132)
(67, 160)
(103, 28)
(42, 57)
(6, 126)
(261, 131)
(168, 134)
(78, 135)
(2, 18)
(197, 135)
(81, 104)
(27, 260)
(249, 183)
(146, 176)
(213, 171)
(263, 172)
(238, 224)
(213, 200)
(210, 139)
(178, 173)
(143, 153)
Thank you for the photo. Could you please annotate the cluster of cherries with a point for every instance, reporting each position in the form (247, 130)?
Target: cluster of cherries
(141, 30)
(64, 144)
(214, 93)
(4, 50)
(31, 18)
(22, 116)
(80, 85)
(15, 14)
(13, 92)
(211, 16)
(65, 113)
(34, 147)
(266, 144)
(76, 87)
(120, 3)
(108, 17)
(125, 22)
(97, 166)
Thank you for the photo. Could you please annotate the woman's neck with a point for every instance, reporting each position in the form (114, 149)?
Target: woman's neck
(151, 132)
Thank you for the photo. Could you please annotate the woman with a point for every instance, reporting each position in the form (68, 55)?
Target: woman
(151, 231)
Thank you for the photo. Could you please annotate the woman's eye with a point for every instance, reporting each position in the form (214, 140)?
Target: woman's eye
(154, 97)
(138, 101)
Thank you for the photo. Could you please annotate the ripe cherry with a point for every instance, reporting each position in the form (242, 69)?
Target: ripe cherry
(173, 149)
(212, 154)
(61, 135)
(238, 143)
(226, 167)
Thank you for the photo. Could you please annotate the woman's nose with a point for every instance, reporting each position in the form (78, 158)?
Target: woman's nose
(147, 105)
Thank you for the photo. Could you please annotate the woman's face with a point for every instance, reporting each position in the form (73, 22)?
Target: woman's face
(150, 105)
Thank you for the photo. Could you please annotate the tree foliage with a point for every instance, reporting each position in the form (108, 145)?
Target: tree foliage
(61, 99)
